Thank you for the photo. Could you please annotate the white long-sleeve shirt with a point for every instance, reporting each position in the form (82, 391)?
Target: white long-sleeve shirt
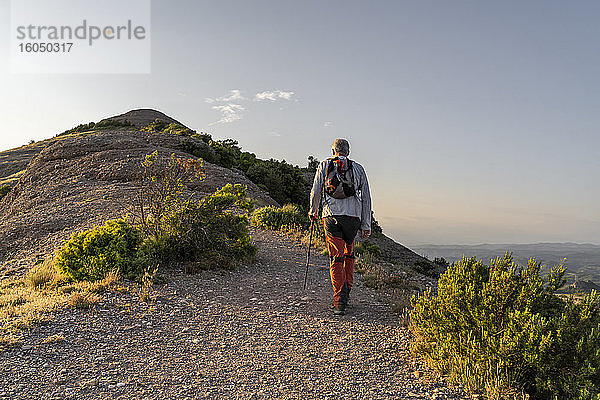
(354, 206)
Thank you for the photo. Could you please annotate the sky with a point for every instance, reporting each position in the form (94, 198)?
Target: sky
(477, 122)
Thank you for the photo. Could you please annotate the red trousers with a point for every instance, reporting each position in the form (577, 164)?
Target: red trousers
(340, 232)
(341, 267)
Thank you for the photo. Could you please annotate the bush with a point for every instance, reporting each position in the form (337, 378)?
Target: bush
(290, 216)
(367, 248)
(426, 267)
(212, 232)
(113, 123)
(91, 255)
(375, 227)
(158, 125)
(441, 262)
(162, 191)
(284, 182)
(313, 165)
(106, 123)
(199, 149)
(4, 189)
(501, 329)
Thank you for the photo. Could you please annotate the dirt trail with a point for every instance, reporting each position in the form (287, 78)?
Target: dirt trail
(248, 334)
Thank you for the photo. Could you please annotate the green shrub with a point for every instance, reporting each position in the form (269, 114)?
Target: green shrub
(91, 255)
(426, 268)
(501, 329)
(4, 189)
(158, 125)
(375, 227)
(441, 262)
(367, 247)
(107, 123)
(313, 165)
(199, 149)
(113, 123)
(162, 191)
(288, 217)
(284, 182)
(212, 232)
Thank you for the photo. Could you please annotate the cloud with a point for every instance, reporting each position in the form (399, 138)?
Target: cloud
(327, 124)
(230, 108)
(229, 112)
(273, 95)
(274, 134)
(234, 95)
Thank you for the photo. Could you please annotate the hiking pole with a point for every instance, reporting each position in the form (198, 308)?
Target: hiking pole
(312, 223)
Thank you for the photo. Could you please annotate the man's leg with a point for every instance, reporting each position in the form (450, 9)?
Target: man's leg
(336, 246)
(350, 226)
(348, 273)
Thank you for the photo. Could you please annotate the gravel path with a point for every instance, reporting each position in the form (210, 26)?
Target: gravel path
(252, 333)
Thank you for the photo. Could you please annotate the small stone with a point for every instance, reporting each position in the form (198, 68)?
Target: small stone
(92, 382)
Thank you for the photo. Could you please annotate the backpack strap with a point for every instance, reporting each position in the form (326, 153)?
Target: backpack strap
(357, 188)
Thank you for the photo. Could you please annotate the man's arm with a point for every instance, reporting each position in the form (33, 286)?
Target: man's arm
(365, 224)
(317, 190)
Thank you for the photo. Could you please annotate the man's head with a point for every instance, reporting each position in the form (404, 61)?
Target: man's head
(340, 147)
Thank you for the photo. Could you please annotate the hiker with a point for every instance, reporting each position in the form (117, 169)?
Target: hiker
(341, 185)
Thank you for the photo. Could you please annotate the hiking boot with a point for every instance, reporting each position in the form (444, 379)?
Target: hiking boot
(338, 311)
(344, 296)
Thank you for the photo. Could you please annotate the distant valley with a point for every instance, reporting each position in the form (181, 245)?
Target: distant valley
(583, 260)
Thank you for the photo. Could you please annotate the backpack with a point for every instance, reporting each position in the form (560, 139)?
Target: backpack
(337, 184)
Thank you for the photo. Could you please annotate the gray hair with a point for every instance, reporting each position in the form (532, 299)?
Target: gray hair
(341, 147)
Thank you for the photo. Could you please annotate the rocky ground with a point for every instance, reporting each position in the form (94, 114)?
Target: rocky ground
(252, 333)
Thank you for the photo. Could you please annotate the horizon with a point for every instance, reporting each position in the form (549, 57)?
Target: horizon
(476, 123)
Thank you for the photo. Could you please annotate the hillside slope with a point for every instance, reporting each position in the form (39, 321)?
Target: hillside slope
(74, 182)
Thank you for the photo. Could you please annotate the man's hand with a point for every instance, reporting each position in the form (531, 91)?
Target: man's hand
(365, 233)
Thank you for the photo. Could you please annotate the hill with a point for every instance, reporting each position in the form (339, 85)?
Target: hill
(80, 179)
(72, 182)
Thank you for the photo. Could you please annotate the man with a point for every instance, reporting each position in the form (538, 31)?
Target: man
(341, 186)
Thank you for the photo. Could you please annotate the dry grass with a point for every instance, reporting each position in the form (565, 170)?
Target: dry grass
(396, 289)
(43, 274)
(31, 299)
(148, 279)
(54, 339)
